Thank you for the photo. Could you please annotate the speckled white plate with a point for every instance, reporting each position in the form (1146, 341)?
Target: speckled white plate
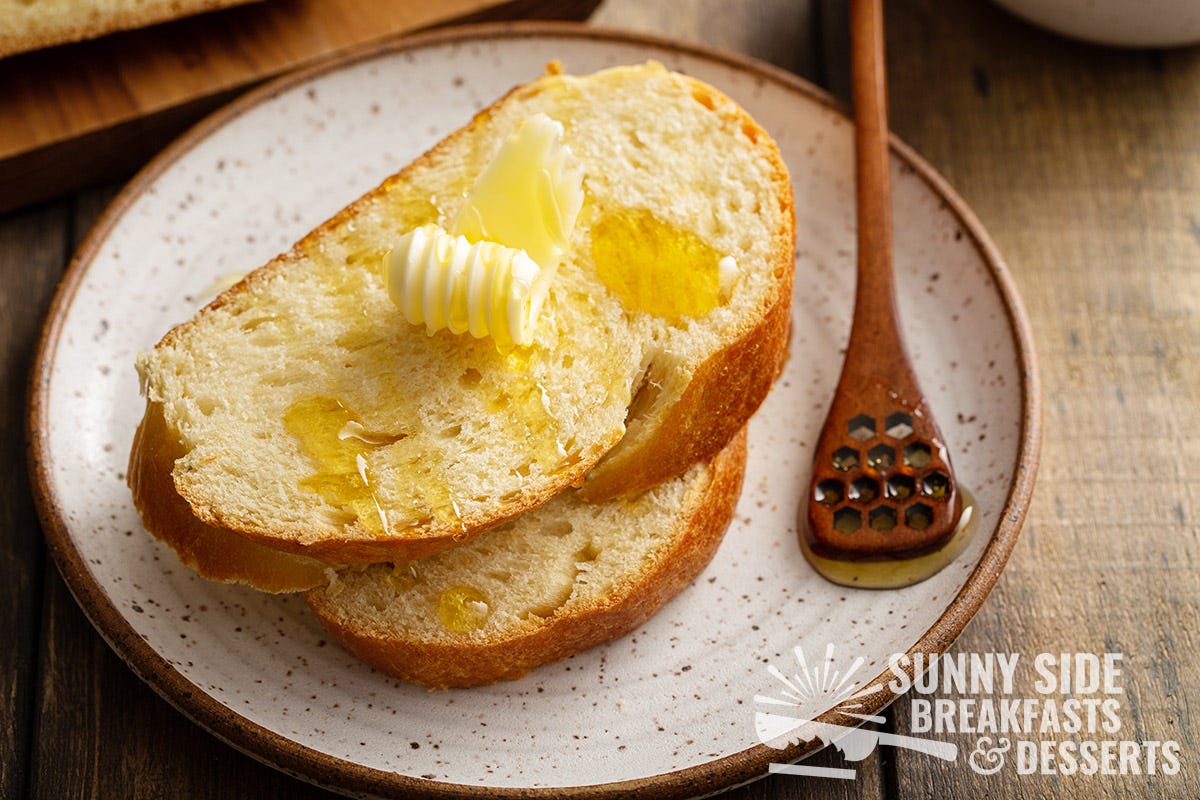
(667, 710)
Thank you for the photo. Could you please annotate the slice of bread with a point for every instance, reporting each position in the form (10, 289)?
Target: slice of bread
(32, 24)
(459, 436)
(556, 581)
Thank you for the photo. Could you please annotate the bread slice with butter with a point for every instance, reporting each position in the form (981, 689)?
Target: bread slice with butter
(306, 415)
(554, 582)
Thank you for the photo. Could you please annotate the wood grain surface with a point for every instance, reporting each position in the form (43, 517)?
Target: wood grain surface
(1082, 162)
(80, 113)
(34, 247)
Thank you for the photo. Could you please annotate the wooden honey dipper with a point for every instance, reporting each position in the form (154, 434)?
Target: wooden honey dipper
(883, 499)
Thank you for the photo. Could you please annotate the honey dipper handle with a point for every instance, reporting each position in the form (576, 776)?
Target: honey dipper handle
(875, 318)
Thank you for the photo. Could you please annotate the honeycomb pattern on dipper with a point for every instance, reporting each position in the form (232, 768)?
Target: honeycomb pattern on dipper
(888, 488)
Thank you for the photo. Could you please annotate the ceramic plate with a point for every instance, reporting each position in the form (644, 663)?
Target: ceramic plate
(668, 710)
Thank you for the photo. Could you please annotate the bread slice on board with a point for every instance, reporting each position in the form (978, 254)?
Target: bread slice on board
(32, 24)
(554, 582)
(463, 436)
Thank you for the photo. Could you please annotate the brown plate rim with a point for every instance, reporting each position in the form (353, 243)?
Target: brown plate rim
(346, 776)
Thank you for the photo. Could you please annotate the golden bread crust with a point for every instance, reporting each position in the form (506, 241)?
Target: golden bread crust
(215, 553)
(725, 391)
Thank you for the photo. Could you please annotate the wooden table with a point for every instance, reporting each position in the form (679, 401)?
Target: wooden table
(1084, 164)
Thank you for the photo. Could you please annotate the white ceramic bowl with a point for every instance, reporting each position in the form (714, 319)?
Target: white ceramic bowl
(1124, 23)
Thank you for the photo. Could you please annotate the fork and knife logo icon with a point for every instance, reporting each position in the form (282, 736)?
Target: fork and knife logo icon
(822, 686)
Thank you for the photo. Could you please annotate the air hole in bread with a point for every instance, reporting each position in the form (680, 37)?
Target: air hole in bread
(704, 99)
(588, 553)
(644, 397)
(206, 405)
(547, 609)
(470, 378)
(358, 338)
(558, 528)
(254, 322)
(452, 432)
(550, 606)
(750, 131)
(335, 516)
(265, 338)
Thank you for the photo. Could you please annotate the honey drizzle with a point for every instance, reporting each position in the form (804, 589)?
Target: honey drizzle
(338, 443)
(896, 573)
(463, 609)
(336, 440)
(654, 266)
(527, 401)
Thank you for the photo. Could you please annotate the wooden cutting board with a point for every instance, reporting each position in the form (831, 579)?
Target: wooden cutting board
(82, 113)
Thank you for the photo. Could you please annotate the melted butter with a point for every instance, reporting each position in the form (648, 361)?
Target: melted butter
(528, 196)
(519, 360)
(654, 266)
(409, 208)
(417, 467)
(901, 572)
(339, 445)
(463, 609)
